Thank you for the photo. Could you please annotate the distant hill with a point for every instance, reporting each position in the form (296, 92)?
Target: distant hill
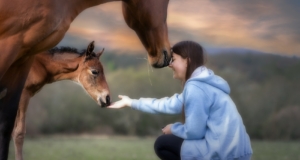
(259, 66)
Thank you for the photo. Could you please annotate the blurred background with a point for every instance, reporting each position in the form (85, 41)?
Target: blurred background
(265, 88)
(254, 45)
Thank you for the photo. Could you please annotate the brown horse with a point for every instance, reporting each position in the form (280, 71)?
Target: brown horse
(31, 26)
(61, 64)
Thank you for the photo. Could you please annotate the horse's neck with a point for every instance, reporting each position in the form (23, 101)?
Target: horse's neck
(89, 3)
(75, 7)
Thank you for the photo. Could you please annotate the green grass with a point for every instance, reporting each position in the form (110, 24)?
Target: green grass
(276, 150)
(130, 148)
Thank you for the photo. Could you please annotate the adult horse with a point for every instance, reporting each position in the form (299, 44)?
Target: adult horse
(58, 64)
(29, 27)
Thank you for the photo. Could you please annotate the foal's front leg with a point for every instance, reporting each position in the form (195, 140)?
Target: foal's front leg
(20, 125)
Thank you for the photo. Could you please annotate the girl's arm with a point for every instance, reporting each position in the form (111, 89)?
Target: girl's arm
(169, 105)
(196, 105)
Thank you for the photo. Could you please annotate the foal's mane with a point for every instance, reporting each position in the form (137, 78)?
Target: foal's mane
(63, 49)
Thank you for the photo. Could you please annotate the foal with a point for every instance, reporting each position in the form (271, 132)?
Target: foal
(61, 64)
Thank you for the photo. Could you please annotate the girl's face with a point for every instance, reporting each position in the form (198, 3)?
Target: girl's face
(179, 66)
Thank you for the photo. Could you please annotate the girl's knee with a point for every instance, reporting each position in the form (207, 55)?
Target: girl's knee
(159, 142)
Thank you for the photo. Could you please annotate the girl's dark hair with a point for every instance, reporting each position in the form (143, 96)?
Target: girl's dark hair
(194, 54)
(191, 51)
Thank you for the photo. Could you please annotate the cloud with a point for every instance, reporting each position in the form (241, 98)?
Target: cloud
(268, 26)
(260, 25)
(105, 25)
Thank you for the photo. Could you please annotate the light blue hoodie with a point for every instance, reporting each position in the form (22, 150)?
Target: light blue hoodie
(213, 128)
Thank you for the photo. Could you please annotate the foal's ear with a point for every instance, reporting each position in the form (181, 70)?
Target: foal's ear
(100, 53)
(90, 49)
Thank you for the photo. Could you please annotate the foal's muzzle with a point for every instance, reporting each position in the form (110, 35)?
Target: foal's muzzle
(107, 103)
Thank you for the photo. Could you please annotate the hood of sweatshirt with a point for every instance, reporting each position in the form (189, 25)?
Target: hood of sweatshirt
(207, 76)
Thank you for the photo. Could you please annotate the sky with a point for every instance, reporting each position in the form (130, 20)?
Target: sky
(267, 26)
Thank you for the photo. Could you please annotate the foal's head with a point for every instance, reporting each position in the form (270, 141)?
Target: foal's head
(148, 19)
(92, 77)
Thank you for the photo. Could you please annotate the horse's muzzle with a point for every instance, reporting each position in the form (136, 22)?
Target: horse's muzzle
(166, 61)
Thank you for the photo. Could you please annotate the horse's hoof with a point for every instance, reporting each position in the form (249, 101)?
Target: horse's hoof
(3, 93)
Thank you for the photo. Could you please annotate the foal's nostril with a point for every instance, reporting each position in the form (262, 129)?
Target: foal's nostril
(107, 100)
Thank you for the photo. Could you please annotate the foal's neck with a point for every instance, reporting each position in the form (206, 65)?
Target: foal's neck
(61, 69)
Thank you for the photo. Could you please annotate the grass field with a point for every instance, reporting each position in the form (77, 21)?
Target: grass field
(130, 148)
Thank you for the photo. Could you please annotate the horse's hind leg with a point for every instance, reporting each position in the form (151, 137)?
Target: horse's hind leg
(13, 80)
(20, 129)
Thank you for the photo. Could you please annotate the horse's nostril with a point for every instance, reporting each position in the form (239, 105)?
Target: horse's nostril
(166, 62)
(165, 53)
(107, 100)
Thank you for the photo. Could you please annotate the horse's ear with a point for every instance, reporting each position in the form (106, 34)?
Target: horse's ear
(100, 53)
(90, 49)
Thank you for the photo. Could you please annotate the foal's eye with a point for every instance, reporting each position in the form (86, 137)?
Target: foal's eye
(95, 72)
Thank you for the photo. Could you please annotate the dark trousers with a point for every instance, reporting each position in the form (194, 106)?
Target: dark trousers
(167, 147)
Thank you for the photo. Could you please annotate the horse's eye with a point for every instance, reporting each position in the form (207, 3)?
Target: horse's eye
(95, 72)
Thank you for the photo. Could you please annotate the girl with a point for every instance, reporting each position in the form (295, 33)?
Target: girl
(212, 128)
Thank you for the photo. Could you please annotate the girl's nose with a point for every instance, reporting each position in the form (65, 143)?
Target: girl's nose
(170, 63)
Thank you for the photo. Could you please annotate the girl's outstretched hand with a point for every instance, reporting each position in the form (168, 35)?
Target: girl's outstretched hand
(124, 102)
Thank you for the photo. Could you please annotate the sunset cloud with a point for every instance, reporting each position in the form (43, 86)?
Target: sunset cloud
(271, 26)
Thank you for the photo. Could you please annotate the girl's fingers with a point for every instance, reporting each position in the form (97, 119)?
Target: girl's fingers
(121, 103)
(122, 96)
(114, 105)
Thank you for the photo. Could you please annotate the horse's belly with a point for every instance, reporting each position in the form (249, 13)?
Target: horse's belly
(45, 35)
(34, 32)
(46, 41)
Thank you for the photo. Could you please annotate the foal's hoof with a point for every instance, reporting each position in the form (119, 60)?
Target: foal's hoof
(3, 93)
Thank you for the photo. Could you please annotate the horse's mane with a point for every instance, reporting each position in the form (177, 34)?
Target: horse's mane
(64, 49)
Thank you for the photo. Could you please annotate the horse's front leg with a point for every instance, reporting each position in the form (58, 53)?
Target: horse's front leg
(9, 49)
(20, 127)
(14, 80)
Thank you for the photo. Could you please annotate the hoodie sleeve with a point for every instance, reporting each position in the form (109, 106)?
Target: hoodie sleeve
(169, 105)
(196, 103)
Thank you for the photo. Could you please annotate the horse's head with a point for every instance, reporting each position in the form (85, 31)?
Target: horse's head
(148, 19)
(92, 77)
